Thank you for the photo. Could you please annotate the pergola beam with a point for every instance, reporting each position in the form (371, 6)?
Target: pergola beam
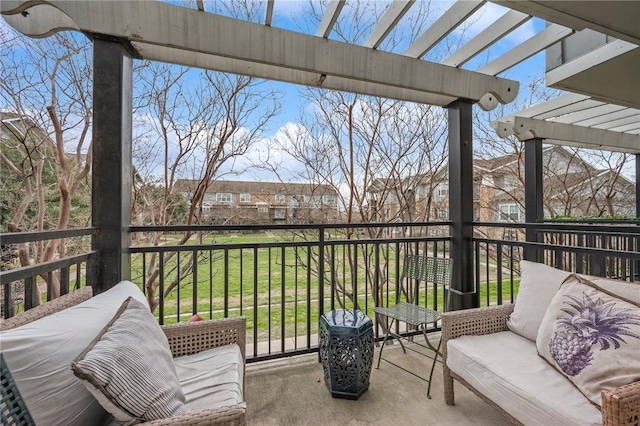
(270, 72)
(269, 13)
(539, 42)
(389, 20)
(449, 21)
(567, 134)
(505, 24)
(330, 17)
(215, 35)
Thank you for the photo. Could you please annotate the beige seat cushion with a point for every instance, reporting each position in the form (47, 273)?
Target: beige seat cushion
(213, 378)
(46, 347)
(506, 368)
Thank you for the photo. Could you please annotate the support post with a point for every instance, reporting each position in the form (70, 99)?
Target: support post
(461, 203)
(111, 174)
(533, 207)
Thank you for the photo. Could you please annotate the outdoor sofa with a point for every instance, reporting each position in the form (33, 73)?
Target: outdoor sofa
(80, 360)
(542, 360)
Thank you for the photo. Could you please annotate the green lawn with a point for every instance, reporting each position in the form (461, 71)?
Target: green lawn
(268, 284)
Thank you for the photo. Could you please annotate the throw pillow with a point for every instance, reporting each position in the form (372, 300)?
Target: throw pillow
(46, 347)
(129, 368)
(592, 337)
(538, 284)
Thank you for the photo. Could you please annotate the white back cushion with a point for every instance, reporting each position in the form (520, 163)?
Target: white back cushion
(39, 355)
(538, 284)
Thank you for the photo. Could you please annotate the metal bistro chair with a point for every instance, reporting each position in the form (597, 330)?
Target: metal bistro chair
(436, 271)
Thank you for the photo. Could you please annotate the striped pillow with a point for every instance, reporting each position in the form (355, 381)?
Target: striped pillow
(129, 368)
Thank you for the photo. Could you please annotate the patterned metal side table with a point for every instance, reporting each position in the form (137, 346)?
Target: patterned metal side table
(346, 352)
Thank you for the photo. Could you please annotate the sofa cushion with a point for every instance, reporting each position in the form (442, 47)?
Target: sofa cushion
(623, 289)
(507, 369)
(46, 347)
(538, 284)
(129, 368)
(213, 378)
(592, 337)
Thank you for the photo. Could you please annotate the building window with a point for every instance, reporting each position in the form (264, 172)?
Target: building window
(245, 198)
(224, 197)
(509, 213)
(328, 199)
(442, 191)
(279, 214)
(279, 198)
(263, 209)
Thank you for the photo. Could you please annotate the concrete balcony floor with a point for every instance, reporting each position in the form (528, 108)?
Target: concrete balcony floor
(292, 392)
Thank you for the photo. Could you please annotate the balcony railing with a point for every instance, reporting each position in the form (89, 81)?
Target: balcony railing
(282, 277)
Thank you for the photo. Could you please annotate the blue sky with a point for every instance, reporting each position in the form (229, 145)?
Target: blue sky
(296, 16)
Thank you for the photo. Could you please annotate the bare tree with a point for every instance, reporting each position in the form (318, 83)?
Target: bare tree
(198, 121)
(46, 86)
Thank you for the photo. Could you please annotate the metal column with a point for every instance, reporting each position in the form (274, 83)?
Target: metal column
(461, 202)
(533, 207)
(111, 174)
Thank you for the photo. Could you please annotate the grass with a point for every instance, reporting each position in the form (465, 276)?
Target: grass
(271, 287)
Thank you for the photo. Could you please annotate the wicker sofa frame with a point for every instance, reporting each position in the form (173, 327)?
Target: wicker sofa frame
(184, 339)
(620, 406)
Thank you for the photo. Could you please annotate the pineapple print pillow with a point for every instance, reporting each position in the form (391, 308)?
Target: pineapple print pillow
(592, 337)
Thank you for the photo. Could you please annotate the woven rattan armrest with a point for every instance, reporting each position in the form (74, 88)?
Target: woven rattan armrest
(51, 307)
(491, 319)
(621, 406)
(230, 415)
(193, 337)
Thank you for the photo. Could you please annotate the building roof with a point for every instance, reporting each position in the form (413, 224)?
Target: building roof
(252, 187)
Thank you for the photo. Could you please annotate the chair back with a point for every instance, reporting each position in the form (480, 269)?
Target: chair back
(13, 410)
(433, 270)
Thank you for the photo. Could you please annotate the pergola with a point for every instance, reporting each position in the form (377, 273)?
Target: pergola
(195, 37)
(570, 120)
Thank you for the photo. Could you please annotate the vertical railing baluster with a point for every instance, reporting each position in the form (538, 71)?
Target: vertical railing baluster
(269, 297)
(64, 280)
(255, 301)
(226, 283)
(283, 298)
(8, 301)
(160, 292)
(308, 297)
(194, 265)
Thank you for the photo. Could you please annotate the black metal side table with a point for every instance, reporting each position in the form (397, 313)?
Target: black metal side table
(346, 352)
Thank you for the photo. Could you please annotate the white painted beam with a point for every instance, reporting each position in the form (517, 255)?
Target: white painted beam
(569, 109)
(330, 17)
(389, 20)
(209, 34)
(633, 117)
(589, 60)
(587, 114)
(505, 24)
(449, 21)
(545, 38)
(550, 107)
(270, 72)
(588, 137)
(269, 13)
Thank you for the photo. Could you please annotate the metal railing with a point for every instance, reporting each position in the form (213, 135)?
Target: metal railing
(282, 278)
(21, 284)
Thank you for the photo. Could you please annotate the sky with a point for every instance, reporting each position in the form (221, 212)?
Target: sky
(296, 16)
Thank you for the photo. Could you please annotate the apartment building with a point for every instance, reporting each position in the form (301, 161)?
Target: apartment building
(229, 202)
(572, 187)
